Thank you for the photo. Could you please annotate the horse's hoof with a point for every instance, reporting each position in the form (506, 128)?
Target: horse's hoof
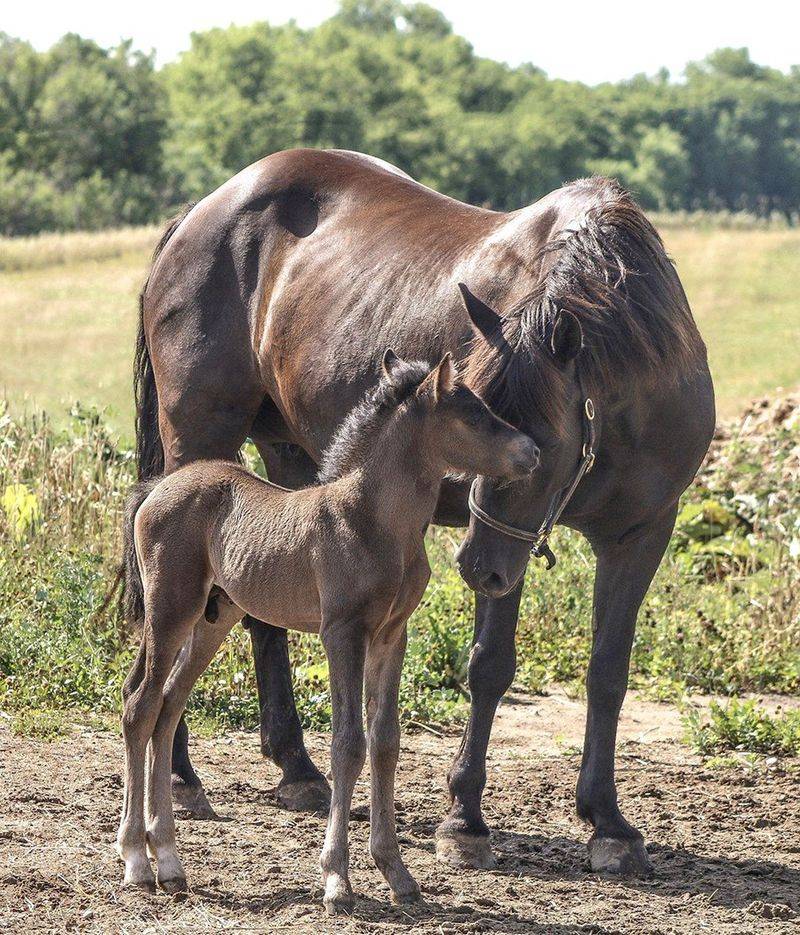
(410, 894)
(192, 801)
(173, 886)
(338, 899)
(464, 851)
(620, 857)
(305, 795)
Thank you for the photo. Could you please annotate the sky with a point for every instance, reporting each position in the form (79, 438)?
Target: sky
(584, 40)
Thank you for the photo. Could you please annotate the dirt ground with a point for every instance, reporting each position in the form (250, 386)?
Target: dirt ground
(725, 842)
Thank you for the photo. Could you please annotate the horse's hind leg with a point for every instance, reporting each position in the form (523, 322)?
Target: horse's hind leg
(302, 786)
(140, 714)
(382, 683)
(193, 660)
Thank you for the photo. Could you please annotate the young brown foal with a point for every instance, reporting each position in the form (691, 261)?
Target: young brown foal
(212, 542)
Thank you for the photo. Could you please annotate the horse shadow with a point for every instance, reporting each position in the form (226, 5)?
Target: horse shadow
(724, 881)
(377, 911)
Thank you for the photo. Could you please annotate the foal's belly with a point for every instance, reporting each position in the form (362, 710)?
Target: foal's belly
(278, 591)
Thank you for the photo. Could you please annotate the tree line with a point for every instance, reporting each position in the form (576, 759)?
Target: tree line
(93, 137)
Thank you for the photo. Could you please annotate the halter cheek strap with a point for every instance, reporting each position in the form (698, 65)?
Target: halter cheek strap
(538, 539)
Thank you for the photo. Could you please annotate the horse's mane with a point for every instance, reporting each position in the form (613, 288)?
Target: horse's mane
(356, 436)
(610, 269)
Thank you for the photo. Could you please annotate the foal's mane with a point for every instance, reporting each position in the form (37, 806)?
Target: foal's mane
(357, 435)
(610, 269)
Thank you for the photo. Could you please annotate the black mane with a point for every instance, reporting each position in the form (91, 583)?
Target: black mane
(610, 269)
(356, 436)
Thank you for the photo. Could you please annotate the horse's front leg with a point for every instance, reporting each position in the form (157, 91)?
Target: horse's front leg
(462, 840)
(344, 644)
(382, 682)
(624, 573)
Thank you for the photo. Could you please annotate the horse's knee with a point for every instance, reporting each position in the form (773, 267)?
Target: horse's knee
(491, 670)
(349, 750)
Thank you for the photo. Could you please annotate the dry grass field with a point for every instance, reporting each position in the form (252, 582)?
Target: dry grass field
(68, 308)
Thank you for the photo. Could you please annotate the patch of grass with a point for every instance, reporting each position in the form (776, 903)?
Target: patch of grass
(59, 249)
(709, 625)
(742, 286)
(743, 726)
(40, 725)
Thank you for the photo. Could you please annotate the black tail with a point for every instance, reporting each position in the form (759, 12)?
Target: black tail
(149, 450)
(133, 594)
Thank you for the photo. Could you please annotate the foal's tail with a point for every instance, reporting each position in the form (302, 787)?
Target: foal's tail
(149, 450)
(133, 594)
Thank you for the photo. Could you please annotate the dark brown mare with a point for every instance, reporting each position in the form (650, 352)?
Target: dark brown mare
(265, 314)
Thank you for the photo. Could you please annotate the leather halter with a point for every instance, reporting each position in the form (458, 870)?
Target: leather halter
(538, 539)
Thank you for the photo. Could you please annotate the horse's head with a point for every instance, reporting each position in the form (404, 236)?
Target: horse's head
(523, 364)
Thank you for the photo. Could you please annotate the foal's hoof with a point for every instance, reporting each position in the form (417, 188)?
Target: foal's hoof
(620, 857)
(464, 851)
(305, 795)
(140, 886)
(338, 899)
(173, 886)
(192, 801)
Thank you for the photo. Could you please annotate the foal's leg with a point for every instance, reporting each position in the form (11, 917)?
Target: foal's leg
(205, 417)
(344, 646)
(302, 786)
(462, 839)
(130, 836)
(140, 714)
(382, 682)
(624, 573)
(194, 659)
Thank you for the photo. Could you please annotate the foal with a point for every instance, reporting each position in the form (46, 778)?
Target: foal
(212, 542)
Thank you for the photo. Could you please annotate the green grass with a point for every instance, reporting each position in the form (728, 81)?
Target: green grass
(742, 286)
(722, 616)
(743, 726)
(68, 308)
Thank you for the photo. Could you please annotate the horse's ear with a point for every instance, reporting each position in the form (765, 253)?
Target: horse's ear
(566, 338)
(391, 364)
(485, 319)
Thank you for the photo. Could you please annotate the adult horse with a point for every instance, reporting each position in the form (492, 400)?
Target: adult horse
(266, 311)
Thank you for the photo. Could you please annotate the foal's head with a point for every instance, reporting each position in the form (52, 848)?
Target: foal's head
(457, 430)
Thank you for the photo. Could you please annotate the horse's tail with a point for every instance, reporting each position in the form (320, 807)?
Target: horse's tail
(133, 593)
(149, 450)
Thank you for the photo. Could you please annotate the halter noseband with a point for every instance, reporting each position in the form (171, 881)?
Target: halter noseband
(538, 539)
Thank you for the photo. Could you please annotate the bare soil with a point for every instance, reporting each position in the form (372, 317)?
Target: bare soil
(725, 842)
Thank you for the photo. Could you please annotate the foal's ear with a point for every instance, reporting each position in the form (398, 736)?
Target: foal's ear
(391, 365)
(485, 319)
(442, 379)
(566, 338)
(445, 375)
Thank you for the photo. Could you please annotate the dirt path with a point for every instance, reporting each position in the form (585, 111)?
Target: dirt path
(725, 842)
